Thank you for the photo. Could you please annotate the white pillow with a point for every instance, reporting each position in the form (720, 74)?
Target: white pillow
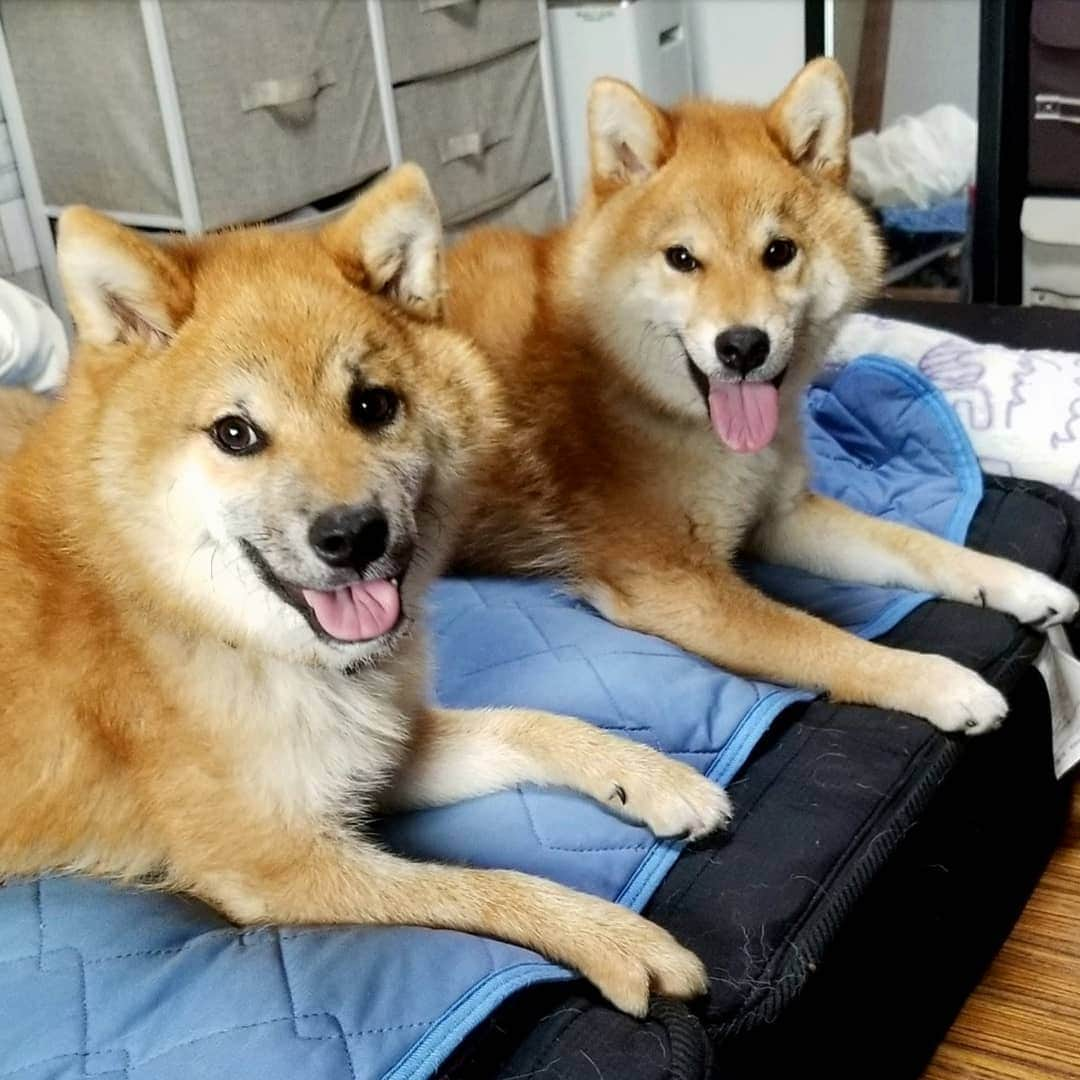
(1020, 407)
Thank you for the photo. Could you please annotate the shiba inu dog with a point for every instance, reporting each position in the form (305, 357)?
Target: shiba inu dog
(18, 411)
(212, 554)
(653, 353)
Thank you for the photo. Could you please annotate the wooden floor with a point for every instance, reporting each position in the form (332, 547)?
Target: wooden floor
(1024, 1020)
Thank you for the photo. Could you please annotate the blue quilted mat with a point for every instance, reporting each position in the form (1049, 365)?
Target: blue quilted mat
(97, 981)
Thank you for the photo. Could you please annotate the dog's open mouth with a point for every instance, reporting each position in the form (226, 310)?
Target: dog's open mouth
(358, 611)
(744, 414)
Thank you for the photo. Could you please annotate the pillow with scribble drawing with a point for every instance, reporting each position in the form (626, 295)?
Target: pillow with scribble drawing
(1020, 407)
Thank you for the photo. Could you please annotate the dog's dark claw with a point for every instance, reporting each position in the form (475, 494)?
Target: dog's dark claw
(971, 723)
(982, 598)
(619, 793)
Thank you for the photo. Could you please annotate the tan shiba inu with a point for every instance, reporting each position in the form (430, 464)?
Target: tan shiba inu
(653, 353)
(18, 411)
(212, 553)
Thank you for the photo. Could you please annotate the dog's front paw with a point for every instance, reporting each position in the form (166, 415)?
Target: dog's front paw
(1030, 597)
(628, 957)
(954, 698)
(671, 799)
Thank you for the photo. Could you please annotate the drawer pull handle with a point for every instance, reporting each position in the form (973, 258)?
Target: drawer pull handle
(437, 5)
(467, 144)
(293, 99)
(1064, 110)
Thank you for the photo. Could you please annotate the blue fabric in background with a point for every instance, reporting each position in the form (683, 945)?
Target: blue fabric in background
(948, 217)
(113, 983)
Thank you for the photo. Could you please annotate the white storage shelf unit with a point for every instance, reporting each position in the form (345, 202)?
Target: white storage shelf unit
(19, 259)
(195, 114)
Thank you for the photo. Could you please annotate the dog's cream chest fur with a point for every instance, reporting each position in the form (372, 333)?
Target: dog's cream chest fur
(722, 492)
(305, 741)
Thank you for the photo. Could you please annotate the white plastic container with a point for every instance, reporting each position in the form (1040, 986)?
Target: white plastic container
(1051, 228)
(644, 42)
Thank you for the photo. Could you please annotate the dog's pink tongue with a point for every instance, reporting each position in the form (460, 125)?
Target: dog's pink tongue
(361, 611)
(744, 415)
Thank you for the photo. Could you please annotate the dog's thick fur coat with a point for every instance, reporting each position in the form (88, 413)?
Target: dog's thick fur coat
(618, 337)
(171, 713)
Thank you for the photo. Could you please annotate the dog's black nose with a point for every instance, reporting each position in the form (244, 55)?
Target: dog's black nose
(742, 348)
(349, 535)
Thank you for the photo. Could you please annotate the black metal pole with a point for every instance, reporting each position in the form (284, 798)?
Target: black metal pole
(1001, 174)
(814, 29)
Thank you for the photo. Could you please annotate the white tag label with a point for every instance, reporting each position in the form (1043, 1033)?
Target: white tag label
(1061, 671)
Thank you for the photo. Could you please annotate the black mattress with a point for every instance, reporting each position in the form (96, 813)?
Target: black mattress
(874, 868)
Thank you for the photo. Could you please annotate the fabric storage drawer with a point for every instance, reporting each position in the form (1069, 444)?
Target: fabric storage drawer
(480, 134)
(1054, 144)
(278, 102)
(1051, 229)
(426, 37)
(87, 91)
(535, 210)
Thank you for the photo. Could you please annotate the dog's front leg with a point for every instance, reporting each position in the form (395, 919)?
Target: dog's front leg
(828, 538)
(261, 874)
(708, 609)
(458, 754)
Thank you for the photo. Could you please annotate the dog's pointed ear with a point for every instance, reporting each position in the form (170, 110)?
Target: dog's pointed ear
(811, 120)
(629, 137)
(120, 286)
(390, 242)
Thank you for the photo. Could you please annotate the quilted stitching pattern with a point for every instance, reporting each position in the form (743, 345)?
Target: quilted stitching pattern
(108, 983)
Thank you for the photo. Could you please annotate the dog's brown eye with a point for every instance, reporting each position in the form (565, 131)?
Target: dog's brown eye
(779, 253)
(235, 435)
(372, 406)
(678, 258)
